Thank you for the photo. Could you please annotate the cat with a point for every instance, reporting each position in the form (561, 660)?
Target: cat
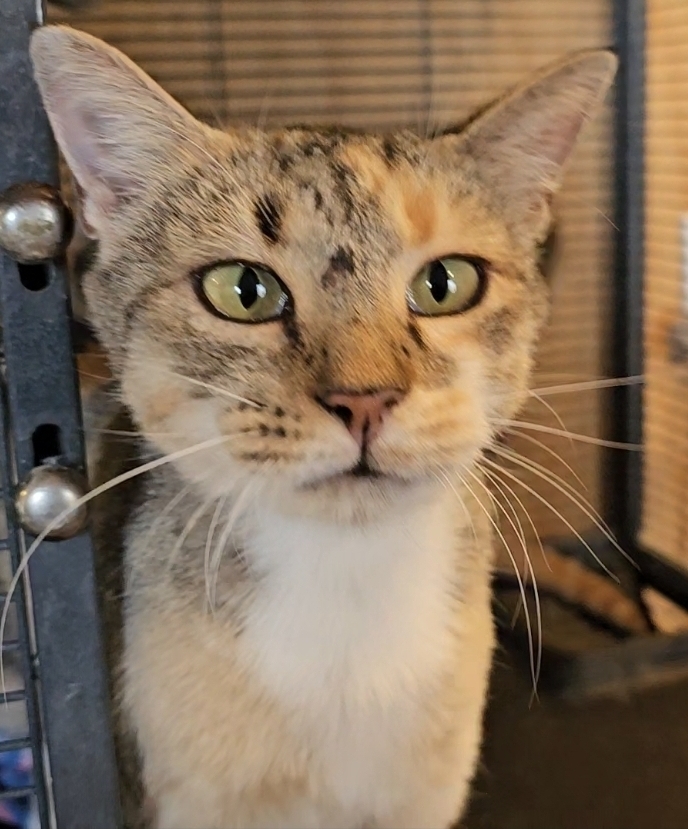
(315, 335)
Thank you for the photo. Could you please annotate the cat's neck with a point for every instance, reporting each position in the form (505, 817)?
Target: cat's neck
(335, 605)
(351, 552)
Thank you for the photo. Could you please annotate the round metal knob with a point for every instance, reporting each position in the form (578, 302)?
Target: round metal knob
(35, 224)
(48, 492)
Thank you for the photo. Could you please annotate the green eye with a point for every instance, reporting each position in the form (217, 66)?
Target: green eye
(244, 293)
(446, 286)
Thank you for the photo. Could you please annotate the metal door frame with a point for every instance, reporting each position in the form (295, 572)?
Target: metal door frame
(63, 659)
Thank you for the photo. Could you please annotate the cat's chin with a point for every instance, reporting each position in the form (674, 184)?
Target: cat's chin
(352, 497)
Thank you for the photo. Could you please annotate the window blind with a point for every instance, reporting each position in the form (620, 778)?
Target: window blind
(665, 489)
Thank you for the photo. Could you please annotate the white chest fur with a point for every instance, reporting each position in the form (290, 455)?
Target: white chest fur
(351, 697)
(349, 626)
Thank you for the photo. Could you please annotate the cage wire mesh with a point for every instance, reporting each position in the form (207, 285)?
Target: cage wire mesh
(23, 794)
(56, 753)
(423, 64)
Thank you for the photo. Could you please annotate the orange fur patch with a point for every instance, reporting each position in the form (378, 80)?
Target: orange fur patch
(160, 406)
(369, 167)
(93, 368)
(421, 209)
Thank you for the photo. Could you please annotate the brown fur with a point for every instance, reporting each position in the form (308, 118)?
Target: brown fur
(579, 585)
(208, 735)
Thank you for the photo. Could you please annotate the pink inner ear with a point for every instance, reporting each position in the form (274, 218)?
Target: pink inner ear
(559, 137)
(91, 155)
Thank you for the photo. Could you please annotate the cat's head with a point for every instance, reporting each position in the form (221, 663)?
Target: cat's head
(355, 313)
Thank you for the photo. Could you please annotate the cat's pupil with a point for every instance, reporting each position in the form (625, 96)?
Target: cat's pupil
(438, 282)
(249, 287)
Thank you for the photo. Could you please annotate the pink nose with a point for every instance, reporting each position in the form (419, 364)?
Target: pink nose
(362, 413)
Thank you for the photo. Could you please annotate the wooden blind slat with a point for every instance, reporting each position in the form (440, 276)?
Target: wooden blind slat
(665, 514)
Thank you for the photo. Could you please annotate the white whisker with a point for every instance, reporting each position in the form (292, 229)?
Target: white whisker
(586, 385)
(539, 427)
(217, 389)
(535, 664)
(550, 451)
(494, 478)
(606, 218)
(563, 486)
(234, 515)
(556, 512)
(208, 543)
(550, 408)
(500, 534)
(131, 433)
(173, 502)
(444, 481)
(189, 527)
(56, 522)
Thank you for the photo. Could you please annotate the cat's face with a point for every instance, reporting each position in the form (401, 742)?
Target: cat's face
(354, 313)
(345, 231)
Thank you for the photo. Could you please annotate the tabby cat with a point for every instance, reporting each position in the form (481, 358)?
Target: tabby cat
(315, 333)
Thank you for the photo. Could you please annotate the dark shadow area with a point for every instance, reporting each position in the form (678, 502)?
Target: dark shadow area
(604, 764)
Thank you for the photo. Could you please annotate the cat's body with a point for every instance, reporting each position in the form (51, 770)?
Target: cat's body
(318, 695)
(321, 692)
(316, 335)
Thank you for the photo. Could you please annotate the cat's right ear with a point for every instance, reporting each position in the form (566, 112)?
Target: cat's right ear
(521, 144)
(114, 125)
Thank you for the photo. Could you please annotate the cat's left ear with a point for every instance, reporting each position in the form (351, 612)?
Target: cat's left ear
(117, 129)
(520, 145)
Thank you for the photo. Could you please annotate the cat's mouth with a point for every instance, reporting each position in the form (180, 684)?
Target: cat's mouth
(363, 469)
(361, 472)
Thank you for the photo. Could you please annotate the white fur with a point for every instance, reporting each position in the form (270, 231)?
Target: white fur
(350, 625)
(360, 668)
(350, 607)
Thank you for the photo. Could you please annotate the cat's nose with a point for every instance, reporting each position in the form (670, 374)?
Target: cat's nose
(363, 413)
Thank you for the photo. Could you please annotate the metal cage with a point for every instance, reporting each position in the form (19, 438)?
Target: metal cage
(61, 686)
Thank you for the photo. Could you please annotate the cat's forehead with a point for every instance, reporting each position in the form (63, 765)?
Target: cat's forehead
(294, 145)
(323, 193)
(328, 188)
(341, 175)
(327, 205)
